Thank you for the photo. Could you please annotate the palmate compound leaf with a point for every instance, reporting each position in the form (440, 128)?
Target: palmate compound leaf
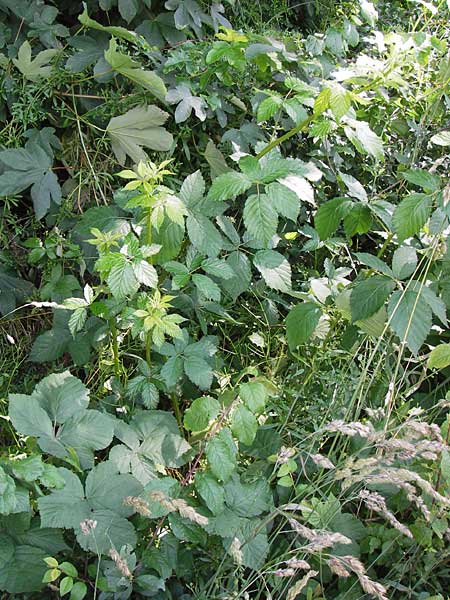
(102, 503)
(150, 442)
(137, 128)
(56, 415)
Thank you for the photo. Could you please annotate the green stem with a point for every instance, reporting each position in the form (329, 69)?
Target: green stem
(115, 347)
(148, 237)
(176, 410)
(148, 348)
(274, 143)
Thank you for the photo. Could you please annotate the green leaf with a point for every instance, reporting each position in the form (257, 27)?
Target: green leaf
(372, 261)
(140, 126)
(260, 217)
(322, 101)
(439, 357)
(441, 139)
(119, 32)
(229, 186)
(240, 282)
(404, 262)
(199, 371)
(78, 591)
(131, 69)
(268, 108)
(340, 101)
(329, 215)
(221, 453)
(244, 425)
(36, 69)
(357, 220)
(51, 575)
(368, 296)
(410, 318)
(216, 160)
(207, 287)
(200, 414)
(211, 492)
(68, 569)
(254, 395)
(145, 273)
(204, 235)
(274, 268)
(248, 499)
(429, 182)
(284, 201)
(411, 215)
(218, 268)
(122, 281)
(301, 322)
(65, 585)
(364, 139)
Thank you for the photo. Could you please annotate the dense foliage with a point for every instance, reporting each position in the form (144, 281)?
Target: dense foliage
(224, 283)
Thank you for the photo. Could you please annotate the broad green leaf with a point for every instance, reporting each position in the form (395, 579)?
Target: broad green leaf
(284, 201)
(131, 69)
(216, 160)
(410, 317)
(229, 186)
(240, 282)
(301, 322)
(268, 108)
(244, 425)
(254, 395)
(404, 262)
(198, 370)
(201, 412)
(322, 101)
(411, 215)
(207, 287)
(354, 187)
(368, 296)
(65, 585)
(211, 492)
(274, 268)
(248, 499)
(260, 217)
(61, 395)
(204, 235)
(439, 357)
(441, 139)
(137, 128)
(122, 281)
(357, 220)
(119, 32)
(329, 215)
(35, 69)
(78, 591)
(372, 261)
(364, 139)
(221, 453)
(217, 268)
(429, 182)
(340, 101)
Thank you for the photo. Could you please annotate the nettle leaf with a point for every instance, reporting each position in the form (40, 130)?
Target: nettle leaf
(410, 317)
(411, 215)
(229, 186)
(221, 453)
(301, 323)
(102, 502)
(274, 268)
(126, 66)
(368, 296)
(31, 166)
(137, 128)
(61, 400)
(35, 69)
